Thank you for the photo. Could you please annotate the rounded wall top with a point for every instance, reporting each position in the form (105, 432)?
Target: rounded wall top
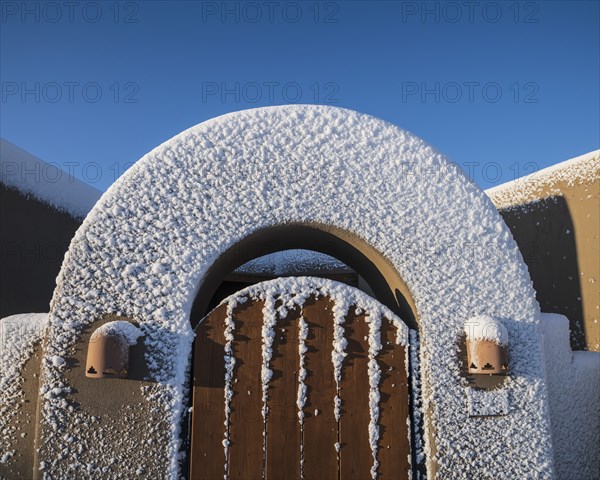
(147, 245)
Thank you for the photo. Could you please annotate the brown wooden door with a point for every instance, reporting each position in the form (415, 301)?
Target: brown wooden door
(257, 353)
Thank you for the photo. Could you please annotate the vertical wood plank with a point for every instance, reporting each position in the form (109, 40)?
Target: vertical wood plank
(321, 430)
(355, 455)
(283, 428)
(246, 421)
(207, 459)
(393, 407)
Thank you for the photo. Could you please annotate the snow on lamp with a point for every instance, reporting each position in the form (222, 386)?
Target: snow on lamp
(108, 350)
(487, 346)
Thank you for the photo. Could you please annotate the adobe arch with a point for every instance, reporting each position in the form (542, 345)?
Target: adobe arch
(387, 285)
(152, 243)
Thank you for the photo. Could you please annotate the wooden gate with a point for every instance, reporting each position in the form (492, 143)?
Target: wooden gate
(300, 378)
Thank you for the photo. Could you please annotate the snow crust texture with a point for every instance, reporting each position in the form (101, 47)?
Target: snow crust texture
(574, 391)
(487, 403)
(546, 182)
(416, 415)
(147, 245)
(118, 328)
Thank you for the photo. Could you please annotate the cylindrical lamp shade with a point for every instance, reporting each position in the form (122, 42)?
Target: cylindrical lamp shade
(108, 356)
(487, 357)
(487, 346)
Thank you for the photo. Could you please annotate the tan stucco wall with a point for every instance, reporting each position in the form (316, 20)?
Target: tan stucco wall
(22, 425)
(554, 217)
(111, 408)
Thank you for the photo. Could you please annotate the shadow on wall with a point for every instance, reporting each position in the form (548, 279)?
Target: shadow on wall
(33, 242)
(545, 234)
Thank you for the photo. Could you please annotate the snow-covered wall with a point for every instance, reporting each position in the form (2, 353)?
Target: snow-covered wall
(574, 395)
(554, 216)
(547, 182)
(20, 336)
(147, 245)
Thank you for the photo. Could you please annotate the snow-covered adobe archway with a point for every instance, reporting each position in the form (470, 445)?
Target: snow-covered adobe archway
(146, 248)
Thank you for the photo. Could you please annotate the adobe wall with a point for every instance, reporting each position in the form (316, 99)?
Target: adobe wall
(34, 239)
(554, 216)
(22, 425)
(147, 247)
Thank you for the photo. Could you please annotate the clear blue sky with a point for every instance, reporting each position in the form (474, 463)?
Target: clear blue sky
(501, 88)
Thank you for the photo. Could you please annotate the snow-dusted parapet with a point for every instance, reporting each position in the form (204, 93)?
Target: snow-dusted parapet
(574, 397)
(45, 181)
(19, 334)
(548, 181)
(553, 215)
(146, 248)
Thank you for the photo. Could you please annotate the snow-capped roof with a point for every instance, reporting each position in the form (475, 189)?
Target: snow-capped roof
(147, 246)
(574, 400)
(45, 181)
(547, 182)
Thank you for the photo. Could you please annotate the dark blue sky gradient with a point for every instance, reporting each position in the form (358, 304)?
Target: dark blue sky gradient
(501, 96)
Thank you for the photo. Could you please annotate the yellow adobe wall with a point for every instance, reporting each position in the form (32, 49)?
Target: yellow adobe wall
(554, 216)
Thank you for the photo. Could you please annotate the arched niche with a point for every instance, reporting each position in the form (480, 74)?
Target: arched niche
(387, 285)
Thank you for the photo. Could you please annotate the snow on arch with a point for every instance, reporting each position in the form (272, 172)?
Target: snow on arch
(148, 243)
